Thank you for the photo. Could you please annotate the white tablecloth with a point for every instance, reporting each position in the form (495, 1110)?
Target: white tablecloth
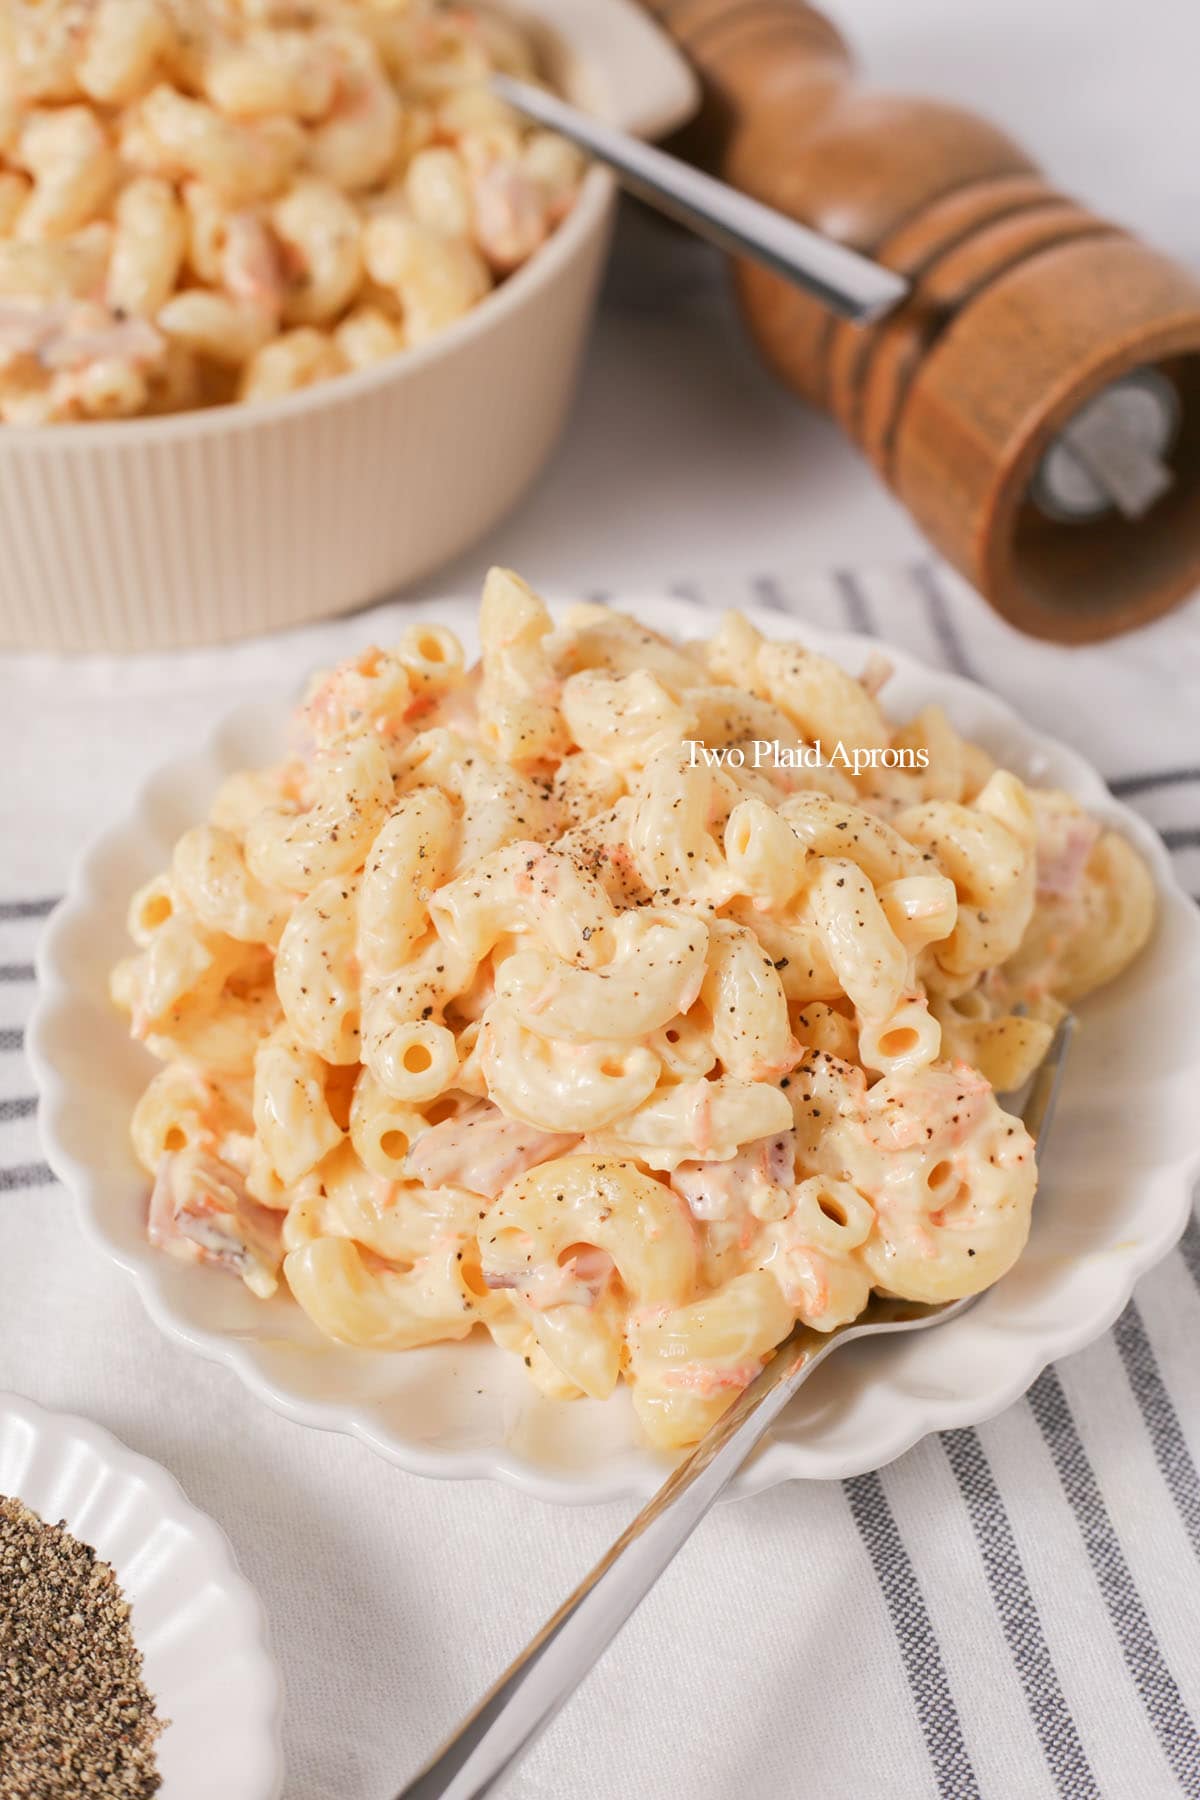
(1007, 1612)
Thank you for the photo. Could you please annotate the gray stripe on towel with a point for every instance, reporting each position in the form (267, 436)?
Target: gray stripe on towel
(919, 1649)
(942, 622)
(1189, 1248)
(27, 909)
(1162, 1421)
(768, 590)
(855, 604)
(1125, 785)
(1020, 1621)
(1144, 1659)
(26, 1175)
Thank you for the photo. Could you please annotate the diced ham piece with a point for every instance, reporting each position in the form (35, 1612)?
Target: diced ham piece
(1065, 842)
(251, 265)
(726, 1190)
(579, 1281)
(482, 1151)
(877, 672)
(129, 340)
(200, 1212)
(456, 709)
(510, 215)
(706, 1380)
(939, 1109)
(72, 334)
(25, 325)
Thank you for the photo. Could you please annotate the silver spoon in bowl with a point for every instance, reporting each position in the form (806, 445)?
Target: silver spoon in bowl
(849, 284)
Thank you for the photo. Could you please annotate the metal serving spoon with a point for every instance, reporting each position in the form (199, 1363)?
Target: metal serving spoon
(545, 1675)
(844, 281)
(1111, 454)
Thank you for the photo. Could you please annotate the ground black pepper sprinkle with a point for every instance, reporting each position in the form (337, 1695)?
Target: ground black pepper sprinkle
(75, 1717)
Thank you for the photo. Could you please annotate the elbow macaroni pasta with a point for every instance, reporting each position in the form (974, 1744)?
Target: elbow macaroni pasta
(204, 201)
(510, 1003)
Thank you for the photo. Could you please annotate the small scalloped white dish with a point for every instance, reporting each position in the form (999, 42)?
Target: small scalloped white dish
(195, 1618)
(1115, 1188)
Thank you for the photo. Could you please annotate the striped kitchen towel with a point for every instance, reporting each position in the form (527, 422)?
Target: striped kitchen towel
(1009, 1611)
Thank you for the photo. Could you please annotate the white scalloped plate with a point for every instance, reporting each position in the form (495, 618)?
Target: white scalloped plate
(196, 1620)
(1115, 1193)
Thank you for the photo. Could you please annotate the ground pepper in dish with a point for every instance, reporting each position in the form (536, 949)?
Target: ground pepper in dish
(75, 1717)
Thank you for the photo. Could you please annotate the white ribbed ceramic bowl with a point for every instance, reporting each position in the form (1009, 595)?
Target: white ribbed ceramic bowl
(1115, 1196)
(195, 1618)
(199, 527)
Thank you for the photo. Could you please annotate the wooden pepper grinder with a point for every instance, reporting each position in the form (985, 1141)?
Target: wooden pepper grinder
(1035, 402)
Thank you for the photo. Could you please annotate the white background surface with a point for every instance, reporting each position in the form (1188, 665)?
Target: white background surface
(765, 1665)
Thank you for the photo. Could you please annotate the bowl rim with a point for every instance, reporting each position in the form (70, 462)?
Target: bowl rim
(173, 1504)
(628, 1474)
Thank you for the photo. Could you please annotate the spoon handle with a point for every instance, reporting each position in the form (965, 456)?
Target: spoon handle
(545, 1675)
(849, 284)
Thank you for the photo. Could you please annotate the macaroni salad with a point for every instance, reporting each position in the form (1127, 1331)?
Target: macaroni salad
(630, 1000)
(210, 200)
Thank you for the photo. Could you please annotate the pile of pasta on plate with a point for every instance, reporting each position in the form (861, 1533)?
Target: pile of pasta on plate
(210, 200)
(630, 1000)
